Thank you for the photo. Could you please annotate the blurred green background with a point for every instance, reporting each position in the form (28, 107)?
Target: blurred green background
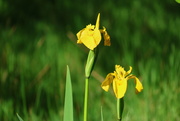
(38, 40)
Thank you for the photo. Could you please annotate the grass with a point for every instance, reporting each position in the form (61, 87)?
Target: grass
(32, 84)
(33, 59)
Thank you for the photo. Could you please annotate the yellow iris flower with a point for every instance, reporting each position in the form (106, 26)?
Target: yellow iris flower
(119, 79)
(91, 35)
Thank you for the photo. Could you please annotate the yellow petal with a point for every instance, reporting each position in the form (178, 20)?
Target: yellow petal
(89, 42)
(119, 87)
(139, 86)
(106, 36)
(97, 36)
(120, 71)
(128, 72)
(107, 41)
(97, 21)
(79, 36)
(79, 41)
(89, 36)
(90, 27)
(108, 80)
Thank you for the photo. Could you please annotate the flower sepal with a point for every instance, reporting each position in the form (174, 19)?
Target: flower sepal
(90, 62)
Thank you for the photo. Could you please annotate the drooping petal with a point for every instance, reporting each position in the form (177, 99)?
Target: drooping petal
(108, 80)
(139, 86)
(97, 21)
(119, 87)
(107, 41)
(106, 36)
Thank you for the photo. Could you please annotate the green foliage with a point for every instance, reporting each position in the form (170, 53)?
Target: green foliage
(37, 40)
(102, 114)
(178, 1)
(20, 119)
(68, 102)
(90, 62)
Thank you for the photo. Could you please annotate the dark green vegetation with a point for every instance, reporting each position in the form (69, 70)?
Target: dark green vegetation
(37, 41)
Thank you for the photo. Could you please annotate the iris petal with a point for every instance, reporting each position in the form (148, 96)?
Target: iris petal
(107, 41)
(97, 36)
(119, 87)
(139, 86)
(128, 72)
(97, 21)
(108, 80)
(89, 42)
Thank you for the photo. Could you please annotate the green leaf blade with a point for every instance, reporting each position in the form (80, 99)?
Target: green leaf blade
(20, 119)
(68, 103)
(102, 119)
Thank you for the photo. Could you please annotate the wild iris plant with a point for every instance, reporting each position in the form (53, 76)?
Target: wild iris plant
(91, 37)
(119, 79)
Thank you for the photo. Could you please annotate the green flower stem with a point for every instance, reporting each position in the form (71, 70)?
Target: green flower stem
(88, 69)
(120, 107)
(86, 98)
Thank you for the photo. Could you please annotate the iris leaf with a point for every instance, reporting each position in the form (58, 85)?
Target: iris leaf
(68, 104)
